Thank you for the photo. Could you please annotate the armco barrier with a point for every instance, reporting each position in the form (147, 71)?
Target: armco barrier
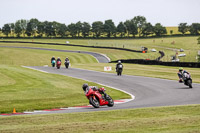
(154, 62)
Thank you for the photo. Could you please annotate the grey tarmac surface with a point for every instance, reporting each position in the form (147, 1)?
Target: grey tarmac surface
(148, 92)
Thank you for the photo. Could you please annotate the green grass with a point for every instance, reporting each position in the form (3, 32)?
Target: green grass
(189, 44)
(26, 90)
(179, 119)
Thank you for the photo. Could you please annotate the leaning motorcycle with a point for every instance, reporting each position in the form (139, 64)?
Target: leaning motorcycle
(66, 64)
(187, 79)
(97, 100)
(53, 63)
(58, 64)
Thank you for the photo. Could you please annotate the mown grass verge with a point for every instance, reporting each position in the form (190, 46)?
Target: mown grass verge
(179, 119)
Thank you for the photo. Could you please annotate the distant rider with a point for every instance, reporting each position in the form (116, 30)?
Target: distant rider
(86, 89)
(53, 58)
(67, 60)
(119, 67)
(58, 59)
(180, 74)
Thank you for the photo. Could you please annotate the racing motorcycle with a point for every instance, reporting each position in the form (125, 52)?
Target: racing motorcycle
(66, 64)
(119, 71)
(58, 64)
(53, 63)
(187, 79)
(97, 100)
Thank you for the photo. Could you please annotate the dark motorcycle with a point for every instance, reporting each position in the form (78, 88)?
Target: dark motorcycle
(97, 100)
(119, 71)
(187, 79)
(67, 64)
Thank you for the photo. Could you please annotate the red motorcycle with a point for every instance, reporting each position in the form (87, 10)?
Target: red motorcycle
(58, 64)
(97, 100)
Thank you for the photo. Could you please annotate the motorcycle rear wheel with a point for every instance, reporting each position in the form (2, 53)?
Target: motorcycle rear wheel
(94, 102)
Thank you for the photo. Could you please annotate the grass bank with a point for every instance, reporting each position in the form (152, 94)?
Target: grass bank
(179, 119)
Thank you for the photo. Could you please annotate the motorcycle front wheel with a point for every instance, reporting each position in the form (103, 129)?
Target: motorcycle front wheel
(189, 83)
(110, 101)
(94, 102)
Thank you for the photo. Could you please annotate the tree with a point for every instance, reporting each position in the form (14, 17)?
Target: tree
(97, 28)
(159, 29)
(147, 29)
(109, 27)
(33, 26)
(18, 29)
(28, 29)
(140, 21)
(86, 29)
(61, 29)
(121, 29)
(131, 28)
(23, 25)
(171, 32)
(195, 29)
(79, 27)
(72, 29)
(41, 29)
(12, 26)
(183, 28)
(6, 29)
(49, 30)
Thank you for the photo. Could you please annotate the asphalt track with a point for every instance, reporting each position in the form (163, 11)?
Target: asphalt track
(148, 92)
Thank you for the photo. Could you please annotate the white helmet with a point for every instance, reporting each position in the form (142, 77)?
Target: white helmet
(119, 61)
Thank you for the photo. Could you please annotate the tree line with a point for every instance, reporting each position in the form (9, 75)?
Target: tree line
(130, 28)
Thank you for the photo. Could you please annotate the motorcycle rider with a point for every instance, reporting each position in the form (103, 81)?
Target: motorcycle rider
(86, 88)
(53, 58)
(58, 59)
(67, 60)
(180, 74)
(119, 67)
